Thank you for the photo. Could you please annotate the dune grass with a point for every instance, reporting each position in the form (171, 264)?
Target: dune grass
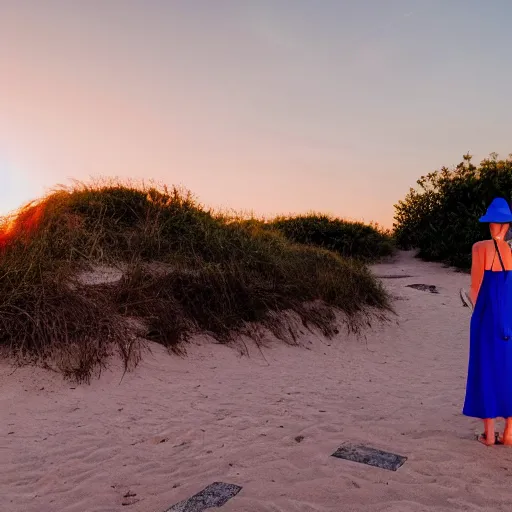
(365, 242)
(184, 270)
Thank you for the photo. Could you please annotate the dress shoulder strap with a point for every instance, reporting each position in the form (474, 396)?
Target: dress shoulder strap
(497, 251)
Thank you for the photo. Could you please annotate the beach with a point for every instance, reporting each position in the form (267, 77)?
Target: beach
(268, 421)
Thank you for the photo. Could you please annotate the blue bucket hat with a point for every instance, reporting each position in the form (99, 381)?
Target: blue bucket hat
(498, 212)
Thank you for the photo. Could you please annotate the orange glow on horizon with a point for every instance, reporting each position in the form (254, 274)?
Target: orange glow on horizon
(22, 224)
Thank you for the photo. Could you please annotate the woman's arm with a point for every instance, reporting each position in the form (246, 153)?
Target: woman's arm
(477, 270)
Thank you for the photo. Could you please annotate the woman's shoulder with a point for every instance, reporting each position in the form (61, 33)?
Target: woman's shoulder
(490, 243)
(483, 245)
(485, 251)
(485, 248)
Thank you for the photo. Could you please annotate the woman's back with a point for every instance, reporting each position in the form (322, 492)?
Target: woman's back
(485, 257)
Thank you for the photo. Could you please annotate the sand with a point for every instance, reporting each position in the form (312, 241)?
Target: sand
(176, 425)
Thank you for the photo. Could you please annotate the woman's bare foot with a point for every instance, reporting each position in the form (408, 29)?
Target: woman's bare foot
(487, 440)
(506, 438)
(489, 437)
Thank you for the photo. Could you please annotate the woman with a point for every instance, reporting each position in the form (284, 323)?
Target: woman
(489, 383)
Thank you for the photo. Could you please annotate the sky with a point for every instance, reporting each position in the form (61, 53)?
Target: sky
(263, 106)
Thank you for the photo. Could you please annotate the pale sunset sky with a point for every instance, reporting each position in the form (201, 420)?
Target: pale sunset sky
(274, 106)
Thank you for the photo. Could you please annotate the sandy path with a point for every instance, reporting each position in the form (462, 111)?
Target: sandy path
(222, 417)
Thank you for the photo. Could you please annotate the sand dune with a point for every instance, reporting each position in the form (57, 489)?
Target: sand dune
(175, 425)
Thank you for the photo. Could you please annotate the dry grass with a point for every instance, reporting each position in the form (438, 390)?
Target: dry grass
(218, 276)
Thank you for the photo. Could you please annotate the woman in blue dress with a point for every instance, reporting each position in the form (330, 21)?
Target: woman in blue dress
(489, 383)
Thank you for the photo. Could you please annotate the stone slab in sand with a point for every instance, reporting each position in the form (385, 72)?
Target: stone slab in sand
(215, 495)
(175, 425)
(371, 456)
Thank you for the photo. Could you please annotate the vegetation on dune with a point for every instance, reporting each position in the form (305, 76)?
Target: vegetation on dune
(440, 217)
(183, 270)
(368, 243)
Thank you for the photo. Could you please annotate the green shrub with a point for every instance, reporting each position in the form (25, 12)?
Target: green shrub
(440, 217)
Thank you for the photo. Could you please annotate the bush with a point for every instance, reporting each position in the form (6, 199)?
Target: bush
(356, 240)
(184, 270)
(440, 217)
